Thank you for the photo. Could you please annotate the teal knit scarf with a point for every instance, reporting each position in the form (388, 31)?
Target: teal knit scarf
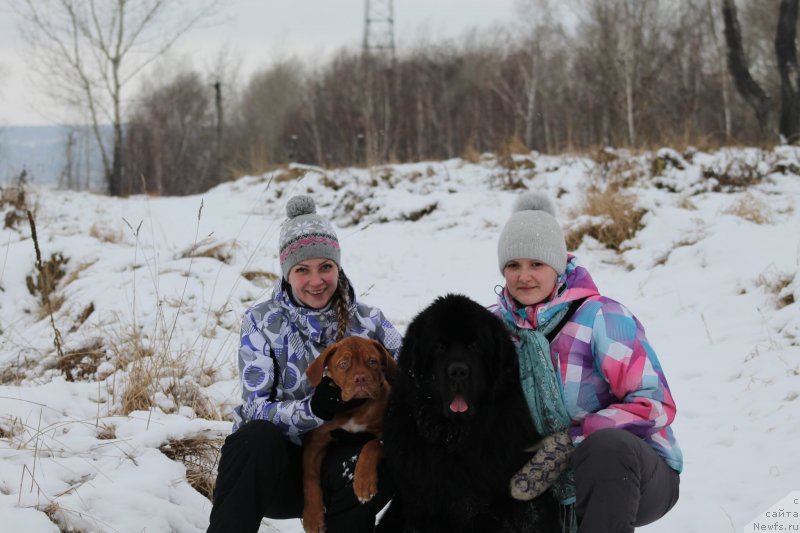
(544, 394)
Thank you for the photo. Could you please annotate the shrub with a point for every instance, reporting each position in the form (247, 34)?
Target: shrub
(752, 208)
(43, 282)
(199, 454)
(82, 363)
(779, 284)
(608, 215)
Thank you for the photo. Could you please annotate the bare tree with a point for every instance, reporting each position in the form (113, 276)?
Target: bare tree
(719, 47)
(85, 52)
(268, 100)
(170, 142)
(748, 88)
(786, 54)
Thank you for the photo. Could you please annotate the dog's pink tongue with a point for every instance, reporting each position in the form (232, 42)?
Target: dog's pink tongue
(458, 405)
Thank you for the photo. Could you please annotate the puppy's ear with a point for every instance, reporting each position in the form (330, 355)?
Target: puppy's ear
(388, 362)
(316, 369)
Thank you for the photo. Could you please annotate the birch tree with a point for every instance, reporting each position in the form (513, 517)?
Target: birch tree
(85, 53)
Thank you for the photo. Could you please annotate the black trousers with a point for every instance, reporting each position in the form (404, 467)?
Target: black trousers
(260, 475)
(621, 483)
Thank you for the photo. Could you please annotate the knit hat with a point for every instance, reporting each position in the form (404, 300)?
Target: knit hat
(532, 232)
(306, 235)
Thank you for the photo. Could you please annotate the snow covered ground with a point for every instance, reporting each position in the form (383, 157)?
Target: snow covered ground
(156, 287)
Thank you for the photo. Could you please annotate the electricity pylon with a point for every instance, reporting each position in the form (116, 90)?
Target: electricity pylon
(379, 28)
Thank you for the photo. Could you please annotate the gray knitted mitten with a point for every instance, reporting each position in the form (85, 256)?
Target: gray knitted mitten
(541, 470)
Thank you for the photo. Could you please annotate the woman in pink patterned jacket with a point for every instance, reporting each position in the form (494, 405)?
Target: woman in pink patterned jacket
(593, 384)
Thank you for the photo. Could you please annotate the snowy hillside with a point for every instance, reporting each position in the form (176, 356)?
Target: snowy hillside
(151, 291)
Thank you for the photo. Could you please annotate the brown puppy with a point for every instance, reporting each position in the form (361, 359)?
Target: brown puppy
(359, 367)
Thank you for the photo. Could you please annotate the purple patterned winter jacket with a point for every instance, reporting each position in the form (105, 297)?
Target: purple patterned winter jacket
(278, 341)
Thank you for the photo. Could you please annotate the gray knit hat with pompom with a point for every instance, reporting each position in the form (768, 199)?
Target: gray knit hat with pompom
(306, 235)
(532, 232)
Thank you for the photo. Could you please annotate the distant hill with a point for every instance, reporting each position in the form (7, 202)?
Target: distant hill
(42, 152)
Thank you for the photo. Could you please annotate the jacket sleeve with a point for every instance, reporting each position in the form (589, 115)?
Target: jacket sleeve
(640, 401)
(387, 334)
(262, 393)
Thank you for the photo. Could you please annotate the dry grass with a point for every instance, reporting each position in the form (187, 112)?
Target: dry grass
(14, 197)
(209, 247)
(752, 208)
(261, 278)
(159, 377)
(779, 285)
(12, 374)
(106, 235)
(513, 145)
(131, 354)
(56, 301)
(603, 156)
(290, 174)
(352, 208)
(77, 271)
(330, 183)
(255, 163)
(83, 317)
(608, 215)
(200, 455)
(686, 203)
(106, 432)
(419, 213)
(56, 515)
(734, 175)
(688, 241)
(42, 282)
(141, 383)
(10, 428)
(185, 391)
(508, 179)
(471, 154)
(664, 160)
(81, 364)
(620, 171)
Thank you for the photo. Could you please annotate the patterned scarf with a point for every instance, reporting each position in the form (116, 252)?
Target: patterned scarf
(543, 390)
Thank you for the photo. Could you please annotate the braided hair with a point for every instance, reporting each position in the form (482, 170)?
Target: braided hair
(342, 305)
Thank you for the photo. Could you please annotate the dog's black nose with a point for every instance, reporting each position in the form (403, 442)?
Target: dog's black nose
(459, 371)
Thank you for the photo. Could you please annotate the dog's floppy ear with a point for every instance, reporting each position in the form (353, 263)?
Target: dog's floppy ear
(316, 369)
(388, 362)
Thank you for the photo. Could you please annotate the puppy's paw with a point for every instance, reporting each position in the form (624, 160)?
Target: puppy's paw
(314, 520)
(365, 485)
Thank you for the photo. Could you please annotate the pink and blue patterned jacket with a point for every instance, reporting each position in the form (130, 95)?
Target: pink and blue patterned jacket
(610, 374)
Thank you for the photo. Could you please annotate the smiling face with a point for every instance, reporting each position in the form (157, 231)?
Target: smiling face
(314, 282)
(529, 281)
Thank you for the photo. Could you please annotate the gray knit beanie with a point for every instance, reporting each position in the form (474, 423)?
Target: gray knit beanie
(532, 232)
(306, 235)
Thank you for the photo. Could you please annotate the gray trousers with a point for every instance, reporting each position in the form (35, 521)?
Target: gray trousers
(621, 483)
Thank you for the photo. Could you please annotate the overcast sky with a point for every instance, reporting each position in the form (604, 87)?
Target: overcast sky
(257, 31)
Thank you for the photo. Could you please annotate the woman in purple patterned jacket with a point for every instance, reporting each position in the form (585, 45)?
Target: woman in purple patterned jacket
(312, 306)
(593, 384)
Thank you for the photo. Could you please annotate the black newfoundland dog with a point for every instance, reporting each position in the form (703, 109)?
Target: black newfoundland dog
(456, 428)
